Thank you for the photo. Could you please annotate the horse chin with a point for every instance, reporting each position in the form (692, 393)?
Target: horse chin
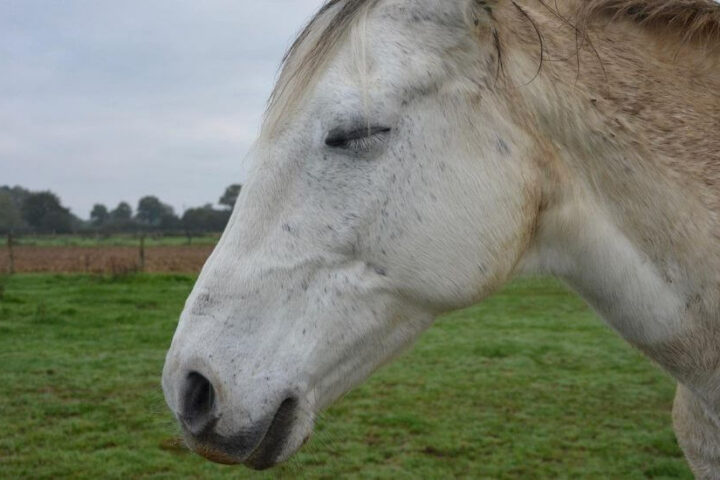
(279, 443)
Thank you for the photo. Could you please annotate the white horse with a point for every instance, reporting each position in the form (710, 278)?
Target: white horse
(415, 156)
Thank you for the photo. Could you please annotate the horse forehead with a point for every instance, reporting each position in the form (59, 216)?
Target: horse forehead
(425, 10)
(400, 40)
(413, 29)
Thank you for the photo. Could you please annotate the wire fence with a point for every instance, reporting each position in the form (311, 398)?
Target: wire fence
(155, 238)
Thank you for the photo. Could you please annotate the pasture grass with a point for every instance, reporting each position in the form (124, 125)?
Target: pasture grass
(528, 385)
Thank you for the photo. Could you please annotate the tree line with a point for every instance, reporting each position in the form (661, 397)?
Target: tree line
(23, 211)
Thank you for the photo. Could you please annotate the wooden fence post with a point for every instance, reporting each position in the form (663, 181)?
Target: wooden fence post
(11, 253)
(142, 252)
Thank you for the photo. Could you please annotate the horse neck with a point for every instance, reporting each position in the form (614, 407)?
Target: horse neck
(635, 110)
(630, 219)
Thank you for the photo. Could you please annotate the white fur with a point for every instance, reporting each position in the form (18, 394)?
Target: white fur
(333, 262)
(582, 245)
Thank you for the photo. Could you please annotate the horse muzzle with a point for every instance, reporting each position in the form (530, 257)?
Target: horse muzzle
(278, 428)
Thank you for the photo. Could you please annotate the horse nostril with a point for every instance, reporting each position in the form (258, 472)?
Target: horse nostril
(285, 411)
(198, 402)
(283, 420)
(266, 453)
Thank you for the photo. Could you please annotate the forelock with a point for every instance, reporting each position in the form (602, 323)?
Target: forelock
(309, 53)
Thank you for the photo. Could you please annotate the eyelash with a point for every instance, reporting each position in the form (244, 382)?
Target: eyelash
(366, 143)
(357, 140)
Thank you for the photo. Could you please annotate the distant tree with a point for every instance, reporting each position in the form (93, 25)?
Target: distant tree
(99, 215)
(123, 212)
(10, 216)
(78, 225)
(152, 212)
(230, 196)
(44, 212)
(17, 194)
(169, 221)
(205, 219)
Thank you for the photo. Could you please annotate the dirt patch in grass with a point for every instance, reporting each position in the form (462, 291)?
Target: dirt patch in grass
(107, 260)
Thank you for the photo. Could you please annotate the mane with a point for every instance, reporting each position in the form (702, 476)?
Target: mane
(691, 20)
(309, 52)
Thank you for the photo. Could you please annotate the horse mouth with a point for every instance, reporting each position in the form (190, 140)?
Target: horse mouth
(271, 449)
(215, 456)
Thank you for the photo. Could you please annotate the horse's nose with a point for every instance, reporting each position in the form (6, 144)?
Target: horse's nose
(257, 421)
(197, 403)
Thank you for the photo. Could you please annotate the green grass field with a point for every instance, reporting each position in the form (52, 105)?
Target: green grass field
(528, 385)
(117, 240)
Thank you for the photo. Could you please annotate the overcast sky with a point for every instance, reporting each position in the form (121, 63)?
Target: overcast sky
(107, 100)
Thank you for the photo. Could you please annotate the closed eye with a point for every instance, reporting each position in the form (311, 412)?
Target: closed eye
(356, 139)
